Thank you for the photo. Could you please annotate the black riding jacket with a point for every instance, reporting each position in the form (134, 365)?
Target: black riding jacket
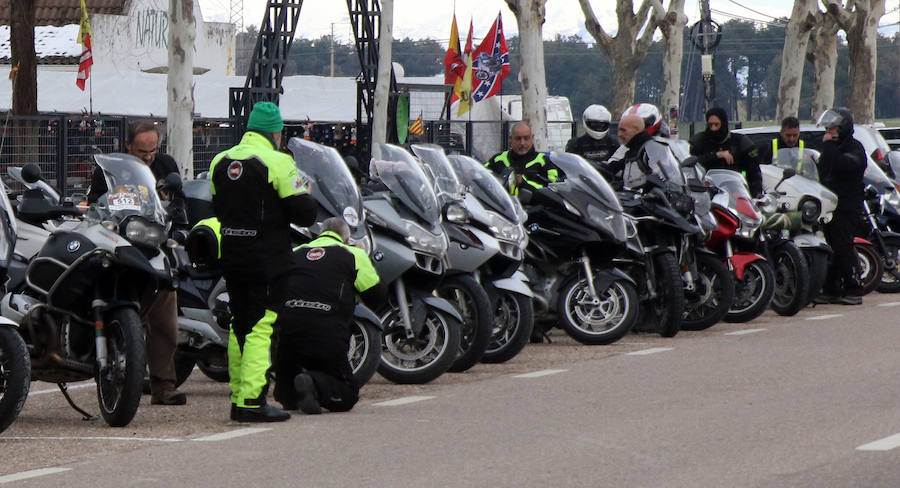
(595, 150)
(841, 168)
(745, 153)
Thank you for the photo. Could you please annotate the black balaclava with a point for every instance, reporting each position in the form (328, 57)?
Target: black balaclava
(722, 133)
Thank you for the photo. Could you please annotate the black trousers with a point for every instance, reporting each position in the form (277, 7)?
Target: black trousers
(320, 352)
(842, 274)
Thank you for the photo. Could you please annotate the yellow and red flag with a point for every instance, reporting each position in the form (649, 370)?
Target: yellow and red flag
(453, 62)
(84, 38)
(417, 127)
(462, 89)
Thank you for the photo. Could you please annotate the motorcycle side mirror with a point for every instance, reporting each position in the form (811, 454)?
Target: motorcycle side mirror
(525, 195)
(31, 173)
(788, 173)
(171, 183)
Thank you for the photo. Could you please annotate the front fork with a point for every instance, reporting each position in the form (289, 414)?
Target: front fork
(586, 262)
(403, 303)
(99, 306)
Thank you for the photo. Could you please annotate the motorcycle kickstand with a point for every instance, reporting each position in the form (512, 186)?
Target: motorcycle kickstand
(64, 388)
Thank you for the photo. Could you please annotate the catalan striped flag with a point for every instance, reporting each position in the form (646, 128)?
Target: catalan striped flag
(417, 127)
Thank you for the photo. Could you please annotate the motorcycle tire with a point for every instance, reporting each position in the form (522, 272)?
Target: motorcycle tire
(667, 308)
(890, 278)
(753, 294)
(119, 385)
(599, 322)
(817, 263)
(15, 375)
(365, 351)
(215, 372)
(791, 279)
(712, 295)
(473, 304)
(869, 269)
(422, 358)
(513, 323)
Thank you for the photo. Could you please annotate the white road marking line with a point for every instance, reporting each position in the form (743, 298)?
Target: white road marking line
(652, 350)
(538, 374)
(402, 401)
(92, 438)
(56, 390)
(825, 317)
(889, 304)
(745, 331)
(885, 444)
(34, 473)
(231, 434)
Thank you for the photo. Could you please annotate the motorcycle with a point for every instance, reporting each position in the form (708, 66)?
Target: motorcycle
(469, 249)
(495, 212)
(798, 206)
(737, 240)
(78, 301)
(421, 331)
(576, 226)
(15, 363)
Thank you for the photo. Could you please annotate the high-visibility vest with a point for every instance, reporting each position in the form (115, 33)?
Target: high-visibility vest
(775, 153)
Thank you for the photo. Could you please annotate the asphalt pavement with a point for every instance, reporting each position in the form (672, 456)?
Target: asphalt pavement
(806, 401)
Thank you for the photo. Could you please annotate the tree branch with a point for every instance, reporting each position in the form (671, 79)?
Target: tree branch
(594, 28)
(652, 22)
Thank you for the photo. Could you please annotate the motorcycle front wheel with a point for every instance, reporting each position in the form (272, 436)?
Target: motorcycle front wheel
(869, 269)
(817, 263)
(668, 306)
(473, 304)
(513, 323)
(424, 356)
(365, 351)
(119, 384)
(752, 294)
(791, 279)
(712, 295)
(890, 279)
(599, 321)
(15, 375)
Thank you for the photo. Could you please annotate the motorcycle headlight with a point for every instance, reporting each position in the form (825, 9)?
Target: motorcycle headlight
(423, 240)
(456, 213)
(810, 210)
(504, 229)
(366, 242)
(140, 231)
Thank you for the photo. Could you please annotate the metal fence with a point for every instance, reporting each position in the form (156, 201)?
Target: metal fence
(63, 145)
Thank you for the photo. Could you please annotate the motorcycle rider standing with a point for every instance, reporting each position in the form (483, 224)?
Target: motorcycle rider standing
(257, 193)
(718, 148)
(841, 167)
(597, 144)
(528, 167)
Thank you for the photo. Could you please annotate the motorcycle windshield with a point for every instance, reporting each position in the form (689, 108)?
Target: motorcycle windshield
(481, 183)
(734, 194)
(7, 227)
(875, 173)
(403, 176)
(331, 183)
(132, 188)
(579, 173)
(802, 160)
(446, 183)
(664, 164)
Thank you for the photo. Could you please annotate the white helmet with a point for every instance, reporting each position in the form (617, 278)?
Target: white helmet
(648, 112)
(596, 121)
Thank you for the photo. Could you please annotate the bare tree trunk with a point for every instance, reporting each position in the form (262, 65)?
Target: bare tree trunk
(796, 41)
(530, 16)
(628, 48)
(859, 20)
(824, 56)
(383, 83)
(22, 55)
(672, 28)
(180, 104)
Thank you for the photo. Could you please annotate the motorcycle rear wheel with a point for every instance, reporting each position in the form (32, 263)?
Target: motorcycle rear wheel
(513, 323)
(890, 279)
(869, 269)
(473, 304)
(667, 308)
(365, 351)
(712, 296)
(119, 385)
(817, 263)
(597, 322)
(791, 280)
(752, 294)
(423, 357)
(15, 375)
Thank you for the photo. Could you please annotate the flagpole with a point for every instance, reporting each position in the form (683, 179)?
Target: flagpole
(91, 96)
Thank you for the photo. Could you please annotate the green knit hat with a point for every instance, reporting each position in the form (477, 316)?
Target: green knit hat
(266, 118)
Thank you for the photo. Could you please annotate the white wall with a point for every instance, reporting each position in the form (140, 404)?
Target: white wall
(138, 41)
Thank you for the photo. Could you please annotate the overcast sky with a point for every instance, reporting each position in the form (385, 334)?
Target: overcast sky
(431, 18)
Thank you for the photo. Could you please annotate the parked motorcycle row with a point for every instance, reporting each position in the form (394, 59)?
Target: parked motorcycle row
(473, 272)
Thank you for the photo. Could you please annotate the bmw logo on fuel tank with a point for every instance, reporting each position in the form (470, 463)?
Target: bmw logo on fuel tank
(73, 246)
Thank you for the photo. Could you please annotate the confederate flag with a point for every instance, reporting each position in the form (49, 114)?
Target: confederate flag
(490, 62)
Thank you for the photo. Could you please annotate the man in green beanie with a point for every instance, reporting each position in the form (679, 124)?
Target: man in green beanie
(257, 193)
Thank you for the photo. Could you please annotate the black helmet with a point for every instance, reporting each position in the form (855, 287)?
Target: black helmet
(839, 117)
